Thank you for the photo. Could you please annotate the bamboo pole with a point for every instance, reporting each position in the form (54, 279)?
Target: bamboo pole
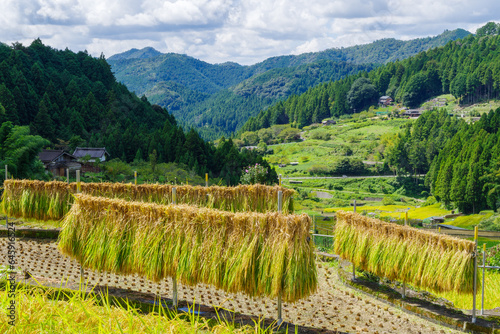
(484, 274)
(206, 179)
(174, 278)
(67, 175)
(280, 180)
(6, 172)
(135, 177)
(475, 278)
(280, 206)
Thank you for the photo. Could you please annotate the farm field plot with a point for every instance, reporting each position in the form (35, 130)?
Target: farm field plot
(332, 307)
(398, 211)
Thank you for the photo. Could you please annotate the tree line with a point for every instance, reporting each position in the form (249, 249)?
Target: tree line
(462, 160)
(58, 98)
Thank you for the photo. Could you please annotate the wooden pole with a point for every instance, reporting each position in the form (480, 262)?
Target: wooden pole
(206, 179)
(67, 175)
(314, 227)
(174, 278)
(280, 207)
(78, 183)
(353, 266)
(475, 278)
(135, 177)
(403, 294)
(484, 274)
(6, 172)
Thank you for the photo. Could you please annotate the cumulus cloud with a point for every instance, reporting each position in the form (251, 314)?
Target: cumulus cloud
(245, 31)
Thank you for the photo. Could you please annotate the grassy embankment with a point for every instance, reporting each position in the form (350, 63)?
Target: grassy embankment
(55, 311)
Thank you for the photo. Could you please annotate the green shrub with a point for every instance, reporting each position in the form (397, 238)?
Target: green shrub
(388, 200)
(431, 200)
(490, 224)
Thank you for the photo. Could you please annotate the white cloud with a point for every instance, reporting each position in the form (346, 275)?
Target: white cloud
(245, 31)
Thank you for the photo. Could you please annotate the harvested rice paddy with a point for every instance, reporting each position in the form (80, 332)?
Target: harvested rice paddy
(332, 308)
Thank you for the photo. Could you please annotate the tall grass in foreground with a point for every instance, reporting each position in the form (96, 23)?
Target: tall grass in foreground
(423, 259)
(37, 312)
(52, 200)
(260, 254)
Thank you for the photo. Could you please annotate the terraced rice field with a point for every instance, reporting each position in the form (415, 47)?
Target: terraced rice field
(333, 307)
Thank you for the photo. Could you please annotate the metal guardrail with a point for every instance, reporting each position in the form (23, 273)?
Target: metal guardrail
(489, 267)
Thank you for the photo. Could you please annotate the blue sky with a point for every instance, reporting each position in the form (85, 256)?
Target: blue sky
(243, 31)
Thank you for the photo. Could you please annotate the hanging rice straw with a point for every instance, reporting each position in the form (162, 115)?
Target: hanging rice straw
(259, 254)
(52, 200)
(424, 259)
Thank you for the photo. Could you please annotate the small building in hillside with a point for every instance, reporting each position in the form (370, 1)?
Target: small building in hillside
(88, 156)
(328, 122)
(92, 153)
(412, 113)
(385, 100)
(57, 161)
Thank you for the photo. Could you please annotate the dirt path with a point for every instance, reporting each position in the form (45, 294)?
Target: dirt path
(333, 308)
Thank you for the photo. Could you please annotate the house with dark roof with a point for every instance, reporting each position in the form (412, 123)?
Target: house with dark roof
(57, 161)
(385, 100)
(93, 153)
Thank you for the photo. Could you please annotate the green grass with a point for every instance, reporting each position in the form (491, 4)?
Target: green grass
(62, 311)
(361, 137)
(482, 240)
(491, 293)
(469, 221)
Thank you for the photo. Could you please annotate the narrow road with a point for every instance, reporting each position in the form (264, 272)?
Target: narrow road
(338, 177)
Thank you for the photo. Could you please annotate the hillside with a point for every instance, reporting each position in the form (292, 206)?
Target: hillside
(61, 99)
(219, 98)
(467, 68)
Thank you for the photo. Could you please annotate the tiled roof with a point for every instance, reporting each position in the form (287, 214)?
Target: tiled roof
(51, 155)
(93, 152)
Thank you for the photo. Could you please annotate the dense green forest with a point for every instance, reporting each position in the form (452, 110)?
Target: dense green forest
(218, 98)
(468, 68)
(462, 161)
(61, 99)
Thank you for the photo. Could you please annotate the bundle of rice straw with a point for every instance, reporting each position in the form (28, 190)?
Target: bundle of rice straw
(423, 259)
(259, 254)
(52, 200)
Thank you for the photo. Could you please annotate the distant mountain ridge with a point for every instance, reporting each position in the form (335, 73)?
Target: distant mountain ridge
(218, 98)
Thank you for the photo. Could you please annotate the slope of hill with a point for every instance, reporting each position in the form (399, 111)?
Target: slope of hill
(466, 68)
(194, 90)
(72, 99)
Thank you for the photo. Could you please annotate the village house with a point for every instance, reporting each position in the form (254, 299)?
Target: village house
(412, 113)
(92, 153)
(328, 122)
(385, 100)
(57, 161)
(89, 155)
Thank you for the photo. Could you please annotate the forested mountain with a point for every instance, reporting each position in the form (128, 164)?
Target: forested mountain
(462, 160)
(468, 68)
(219, 98)
(71, 99)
